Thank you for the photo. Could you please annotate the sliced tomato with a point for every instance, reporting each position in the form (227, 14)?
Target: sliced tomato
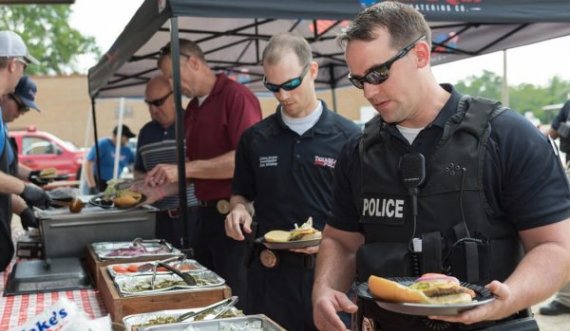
(120, 269)
(133, 268)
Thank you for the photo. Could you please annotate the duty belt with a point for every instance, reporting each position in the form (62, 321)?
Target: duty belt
(272, 258)
(221, 205)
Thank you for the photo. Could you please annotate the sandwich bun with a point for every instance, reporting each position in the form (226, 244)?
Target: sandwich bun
(277, 236)
(126, 199)
(430, 288)
(388, 290)
(48, 172)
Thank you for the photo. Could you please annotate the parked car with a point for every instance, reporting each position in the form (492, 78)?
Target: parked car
(39, 150)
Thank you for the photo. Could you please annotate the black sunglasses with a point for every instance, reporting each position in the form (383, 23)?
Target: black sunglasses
(380, 73)
(22, 108)
(158, 102)
(166, 51)
(289, 85)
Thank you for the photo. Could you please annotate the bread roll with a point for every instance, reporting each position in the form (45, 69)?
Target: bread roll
(277, 236)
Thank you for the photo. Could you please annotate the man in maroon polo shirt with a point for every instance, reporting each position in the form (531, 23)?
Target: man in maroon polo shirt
(220, 110)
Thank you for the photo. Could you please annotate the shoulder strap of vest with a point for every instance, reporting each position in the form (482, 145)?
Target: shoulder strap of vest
(373, 133)
(473, 116)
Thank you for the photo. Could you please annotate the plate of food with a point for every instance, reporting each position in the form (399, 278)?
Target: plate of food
(428, 295)
(300, 237)
(124, 199)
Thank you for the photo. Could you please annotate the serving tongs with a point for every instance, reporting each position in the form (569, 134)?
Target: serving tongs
(140, 243)
(163, 263)
(226, 305)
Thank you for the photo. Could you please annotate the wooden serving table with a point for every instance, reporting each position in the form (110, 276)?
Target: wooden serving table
(119, 306)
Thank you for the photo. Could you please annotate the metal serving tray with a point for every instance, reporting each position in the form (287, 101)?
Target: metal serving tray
(131, 269)
(126, 284)
(246, 323)
(165, 317)
(65, 234)
(157, 248)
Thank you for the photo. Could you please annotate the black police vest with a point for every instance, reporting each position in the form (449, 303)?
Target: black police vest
(459, 237)
(6, 246)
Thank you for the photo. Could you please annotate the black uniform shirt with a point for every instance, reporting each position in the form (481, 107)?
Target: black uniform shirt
(523, 179)
(289, 177)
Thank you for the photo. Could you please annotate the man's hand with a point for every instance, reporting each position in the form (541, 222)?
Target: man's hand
(28, 219)
(495, 310)
(162, 174)
(307, 250)
(35, 196)
(237, 216)
(325, 308)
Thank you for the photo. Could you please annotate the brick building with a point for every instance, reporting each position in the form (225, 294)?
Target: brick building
(66, 109)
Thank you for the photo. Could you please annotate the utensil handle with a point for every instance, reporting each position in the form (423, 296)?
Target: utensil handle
(71, 224)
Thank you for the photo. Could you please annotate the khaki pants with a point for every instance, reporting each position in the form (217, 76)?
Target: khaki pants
(563, 296)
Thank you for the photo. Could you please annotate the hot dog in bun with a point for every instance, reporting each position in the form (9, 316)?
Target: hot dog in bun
(304, 232)
(431, 288)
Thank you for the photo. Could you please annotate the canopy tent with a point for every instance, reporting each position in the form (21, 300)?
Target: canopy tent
(233, 33)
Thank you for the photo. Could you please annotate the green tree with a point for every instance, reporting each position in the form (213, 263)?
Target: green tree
(487, 85)
(523, 97)
(46, 31)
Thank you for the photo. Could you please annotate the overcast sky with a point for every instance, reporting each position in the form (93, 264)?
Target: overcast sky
(535, 64)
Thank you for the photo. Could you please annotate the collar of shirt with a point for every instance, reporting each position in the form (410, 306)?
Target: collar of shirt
(303, 124)
(324, 125)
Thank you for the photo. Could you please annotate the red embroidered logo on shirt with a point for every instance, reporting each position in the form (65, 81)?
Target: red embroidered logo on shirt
(324, 161)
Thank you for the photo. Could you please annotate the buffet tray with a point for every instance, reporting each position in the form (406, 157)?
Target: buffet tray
(131, 285)
(245, 323)
(164, 317)
(132, 269)
(119, 306)
(110, 250)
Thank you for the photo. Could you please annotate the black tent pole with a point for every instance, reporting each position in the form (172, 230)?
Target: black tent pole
(97, 163)
(180, 153)
(333, 87)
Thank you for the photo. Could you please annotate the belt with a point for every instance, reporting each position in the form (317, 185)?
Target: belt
(175, 212)
(272, 258)
(222, 205)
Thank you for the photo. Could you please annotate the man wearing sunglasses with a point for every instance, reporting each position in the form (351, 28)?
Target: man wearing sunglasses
(13, 106)
(284, 166)
(14, 58)
(107, 159)
(219, 111)
(439, 182)
(157, 144)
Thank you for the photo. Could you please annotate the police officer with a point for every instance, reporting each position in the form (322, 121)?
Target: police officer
(481, 192)
(284, 164)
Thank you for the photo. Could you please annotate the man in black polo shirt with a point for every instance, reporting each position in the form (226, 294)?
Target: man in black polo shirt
(284, 165)
(157, 144)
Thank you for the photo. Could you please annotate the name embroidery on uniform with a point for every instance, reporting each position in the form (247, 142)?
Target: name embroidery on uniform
(268, 161)
(322, 161)
(392, 208)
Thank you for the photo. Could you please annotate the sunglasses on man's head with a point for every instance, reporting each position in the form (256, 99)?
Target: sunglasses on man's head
(166, 51)
(289, 85)
(380, 73)
(158, 102)
(22, 108)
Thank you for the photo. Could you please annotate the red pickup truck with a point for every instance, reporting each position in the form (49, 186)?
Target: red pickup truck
(39, 150)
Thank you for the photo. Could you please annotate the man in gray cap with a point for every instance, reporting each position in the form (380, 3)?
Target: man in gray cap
(14, 58)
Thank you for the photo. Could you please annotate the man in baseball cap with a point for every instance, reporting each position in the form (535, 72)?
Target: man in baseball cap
(14, 58)
(18, 103)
